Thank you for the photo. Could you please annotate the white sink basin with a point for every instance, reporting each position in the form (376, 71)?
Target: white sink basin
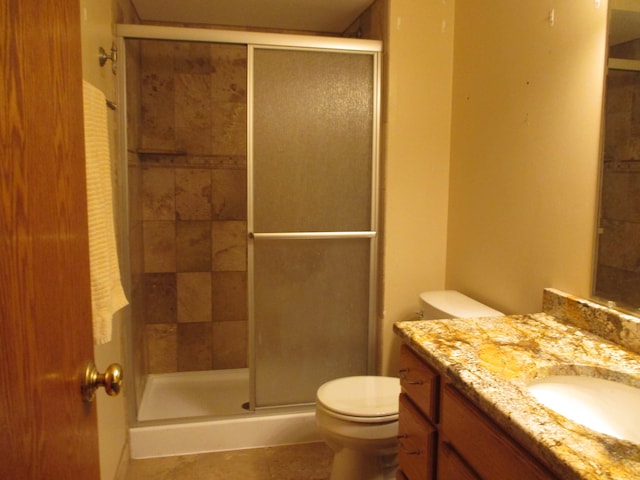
(602, 405)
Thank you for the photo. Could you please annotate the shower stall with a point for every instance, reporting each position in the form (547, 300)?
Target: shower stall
(252, 180)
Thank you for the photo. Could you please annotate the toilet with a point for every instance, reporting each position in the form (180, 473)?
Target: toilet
(358, 416)
(452, 304)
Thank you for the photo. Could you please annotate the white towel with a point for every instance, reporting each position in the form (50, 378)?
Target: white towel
(107, 294)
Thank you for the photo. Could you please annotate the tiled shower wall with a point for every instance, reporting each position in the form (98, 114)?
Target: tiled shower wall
(618, 274)
(192, 156)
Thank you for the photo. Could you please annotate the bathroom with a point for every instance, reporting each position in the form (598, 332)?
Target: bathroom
(499, 219)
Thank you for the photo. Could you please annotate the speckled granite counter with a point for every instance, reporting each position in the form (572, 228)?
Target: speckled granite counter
(492, 360)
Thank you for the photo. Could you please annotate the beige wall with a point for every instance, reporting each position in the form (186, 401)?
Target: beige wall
(418, 62)
(525, 149)
(97, 21)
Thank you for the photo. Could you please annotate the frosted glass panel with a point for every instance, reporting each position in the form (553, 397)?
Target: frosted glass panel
(312, 141)
(312, 163)
(311, 310)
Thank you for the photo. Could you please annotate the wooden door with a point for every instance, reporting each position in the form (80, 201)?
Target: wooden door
(46, 431)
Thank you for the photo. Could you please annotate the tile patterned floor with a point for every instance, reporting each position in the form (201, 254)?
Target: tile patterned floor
(293, 462)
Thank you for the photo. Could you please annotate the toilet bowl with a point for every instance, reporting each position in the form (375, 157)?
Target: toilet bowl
(358, 419)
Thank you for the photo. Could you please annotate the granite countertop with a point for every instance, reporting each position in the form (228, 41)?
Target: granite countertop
(493, 359)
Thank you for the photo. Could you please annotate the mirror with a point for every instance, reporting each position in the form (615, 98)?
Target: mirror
(617, 272)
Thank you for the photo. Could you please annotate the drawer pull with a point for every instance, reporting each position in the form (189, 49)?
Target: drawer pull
(406, 450)
(403, 377)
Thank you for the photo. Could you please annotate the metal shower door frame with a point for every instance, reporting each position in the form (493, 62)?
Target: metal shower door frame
(314, 44)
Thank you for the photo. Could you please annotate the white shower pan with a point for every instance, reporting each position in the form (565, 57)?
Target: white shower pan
(211, 417)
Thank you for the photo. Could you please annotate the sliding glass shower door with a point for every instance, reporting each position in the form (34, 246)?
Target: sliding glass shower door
(312, 219)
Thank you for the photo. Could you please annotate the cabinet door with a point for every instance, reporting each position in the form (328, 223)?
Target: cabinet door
(484, 446)
(451, 466)
(420, 382)
(417, 443)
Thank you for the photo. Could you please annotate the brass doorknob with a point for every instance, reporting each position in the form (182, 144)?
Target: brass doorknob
(111, 380)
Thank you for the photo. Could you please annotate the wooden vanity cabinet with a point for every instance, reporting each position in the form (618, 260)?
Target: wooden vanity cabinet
(444, 436)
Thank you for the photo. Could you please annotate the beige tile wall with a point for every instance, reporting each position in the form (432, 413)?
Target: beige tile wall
(192, 145)
(618, 273)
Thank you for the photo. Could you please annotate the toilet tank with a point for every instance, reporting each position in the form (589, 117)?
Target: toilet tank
(452, 304)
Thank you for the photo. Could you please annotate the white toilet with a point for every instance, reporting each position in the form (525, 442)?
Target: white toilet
(452, 304)
(358, 416)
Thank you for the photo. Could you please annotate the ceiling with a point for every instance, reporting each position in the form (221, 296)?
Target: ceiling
(320, 16)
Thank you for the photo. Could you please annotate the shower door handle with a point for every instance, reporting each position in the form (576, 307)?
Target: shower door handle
(309, 235)
(111, 380)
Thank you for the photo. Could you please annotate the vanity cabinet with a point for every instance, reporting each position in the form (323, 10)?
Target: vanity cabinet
(444, 436)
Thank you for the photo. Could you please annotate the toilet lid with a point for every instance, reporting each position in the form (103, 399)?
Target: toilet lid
(364, 396)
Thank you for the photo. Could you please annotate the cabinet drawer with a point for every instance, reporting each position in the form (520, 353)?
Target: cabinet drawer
(451, 466)
(484, 446)
(420, 382)
(417, 442)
